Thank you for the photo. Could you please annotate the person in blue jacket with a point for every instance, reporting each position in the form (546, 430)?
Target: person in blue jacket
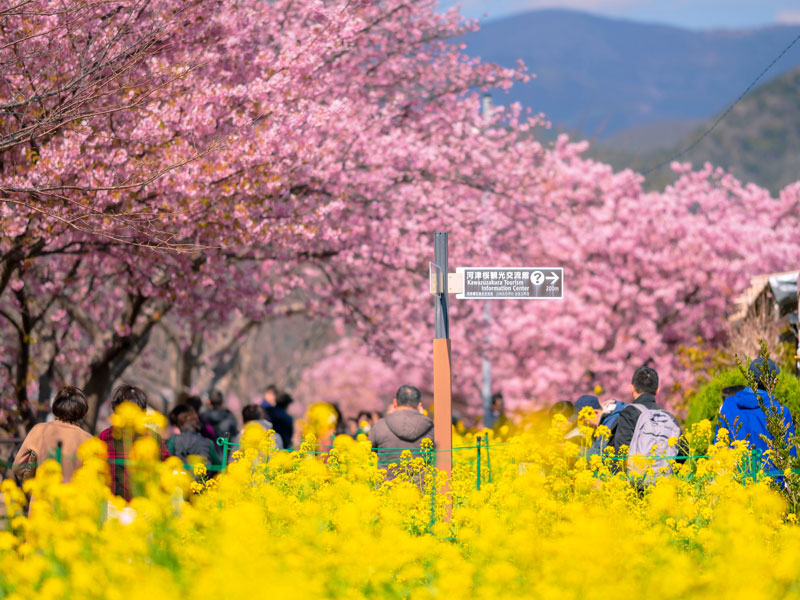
(741, 413)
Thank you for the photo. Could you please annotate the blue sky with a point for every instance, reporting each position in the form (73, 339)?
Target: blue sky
(693, 14)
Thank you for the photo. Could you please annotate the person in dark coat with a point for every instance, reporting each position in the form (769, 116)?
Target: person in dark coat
(499, 417)
(197, 404)
(256, 415)
(403, 428)
(276, 404)
(644, 387)
(219, 418)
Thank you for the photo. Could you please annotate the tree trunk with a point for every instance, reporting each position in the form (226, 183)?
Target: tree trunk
(187, 360)
(21, 381)
(12, 259)
(24, 334)
(187, 363)
(97, 390)
(45, 389)
(107, 368)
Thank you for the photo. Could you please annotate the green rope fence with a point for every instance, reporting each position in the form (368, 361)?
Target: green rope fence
(755, 467)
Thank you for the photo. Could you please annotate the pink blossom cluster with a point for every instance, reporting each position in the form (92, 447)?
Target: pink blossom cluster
(259, 154)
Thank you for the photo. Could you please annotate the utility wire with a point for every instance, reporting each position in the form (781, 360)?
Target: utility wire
(708, 131)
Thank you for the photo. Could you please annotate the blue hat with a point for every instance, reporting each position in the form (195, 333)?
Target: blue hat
(587, 400)
(757, 369)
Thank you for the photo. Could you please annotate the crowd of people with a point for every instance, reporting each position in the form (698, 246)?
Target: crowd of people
(643, 426)
(646, 428)
(192, 431)
(196, 430)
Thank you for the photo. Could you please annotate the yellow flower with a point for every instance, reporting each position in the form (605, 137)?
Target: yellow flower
(602, 432)
(318, 525)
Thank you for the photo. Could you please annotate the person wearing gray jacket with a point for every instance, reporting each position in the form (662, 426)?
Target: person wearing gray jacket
(190, 442)
(403, 428)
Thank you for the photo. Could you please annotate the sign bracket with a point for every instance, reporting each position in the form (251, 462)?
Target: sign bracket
(455, 283)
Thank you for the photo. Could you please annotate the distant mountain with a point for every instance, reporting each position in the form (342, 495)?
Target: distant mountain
(653, 136)
(758, 141)
(601, 76)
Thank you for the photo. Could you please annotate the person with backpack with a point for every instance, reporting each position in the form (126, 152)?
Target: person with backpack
(644, 426)
(610, 417)
(607, 416)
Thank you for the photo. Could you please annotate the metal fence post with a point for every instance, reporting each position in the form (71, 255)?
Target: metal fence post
(433, 473)
(225, 452)
(756, 463)
(488, 460)
(478, 438)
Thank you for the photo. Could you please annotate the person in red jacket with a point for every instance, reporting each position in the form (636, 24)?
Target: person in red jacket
(119, 443)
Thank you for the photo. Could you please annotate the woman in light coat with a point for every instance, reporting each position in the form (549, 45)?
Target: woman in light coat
(41, 443)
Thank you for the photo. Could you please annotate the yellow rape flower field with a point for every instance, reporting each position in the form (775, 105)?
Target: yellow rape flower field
(545, 523)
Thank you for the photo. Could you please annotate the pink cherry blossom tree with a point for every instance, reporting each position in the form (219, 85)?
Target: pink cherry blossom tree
(645, 273)
(263, 153)
(294, 126)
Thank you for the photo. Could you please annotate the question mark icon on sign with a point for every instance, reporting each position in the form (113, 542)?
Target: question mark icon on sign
(537, 278)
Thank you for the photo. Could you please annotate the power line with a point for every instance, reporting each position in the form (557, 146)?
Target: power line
(708, 131)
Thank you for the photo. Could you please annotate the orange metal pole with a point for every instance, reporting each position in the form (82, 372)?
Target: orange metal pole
(443, 405)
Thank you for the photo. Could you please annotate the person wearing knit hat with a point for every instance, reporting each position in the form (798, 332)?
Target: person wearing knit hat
(593, 403)
(587, 400)
(763, 371)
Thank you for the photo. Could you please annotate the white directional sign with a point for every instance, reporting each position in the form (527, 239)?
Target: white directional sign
(511, 283)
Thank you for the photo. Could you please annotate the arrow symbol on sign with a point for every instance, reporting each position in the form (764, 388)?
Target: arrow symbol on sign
(552, 278)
